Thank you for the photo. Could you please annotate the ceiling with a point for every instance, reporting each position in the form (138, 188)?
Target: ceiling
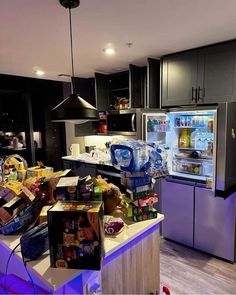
(36, 33)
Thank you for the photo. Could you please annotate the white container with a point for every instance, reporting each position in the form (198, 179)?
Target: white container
(75, 150)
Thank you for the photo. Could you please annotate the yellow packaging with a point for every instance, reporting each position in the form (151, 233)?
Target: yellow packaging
(20, 190)
(21, 175)
(15, 186)
(38, 171)
(43, 214)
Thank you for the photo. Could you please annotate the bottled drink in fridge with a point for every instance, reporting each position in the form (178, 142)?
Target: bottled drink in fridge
(184, 139)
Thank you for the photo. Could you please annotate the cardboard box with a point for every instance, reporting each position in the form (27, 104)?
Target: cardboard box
(145, 215)
(43, 213)
(86, 189)
(11, 208)
(67, 188)
(135, 195)
(5, 195)
(76, 235)
(38, 171)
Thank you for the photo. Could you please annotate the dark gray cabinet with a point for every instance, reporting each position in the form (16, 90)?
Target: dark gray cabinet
(201, 76)
(139, 85)
(85, 88)
(102, 92)
(216, 74)
(136, 87)
(152, 98)
(127, 84)
(179, 78)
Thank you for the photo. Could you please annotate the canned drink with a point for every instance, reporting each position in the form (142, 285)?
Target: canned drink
(182, 121)
(188, 121)
(177, 122)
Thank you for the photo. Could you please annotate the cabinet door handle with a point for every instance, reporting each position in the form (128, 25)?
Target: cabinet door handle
(200, 93)
(133, 122)
(194, 94)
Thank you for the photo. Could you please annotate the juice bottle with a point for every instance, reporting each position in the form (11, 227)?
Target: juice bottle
(184, 138)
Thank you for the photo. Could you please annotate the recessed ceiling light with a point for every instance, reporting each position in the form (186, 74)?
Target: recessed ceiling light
(109, 51)
(38, 71)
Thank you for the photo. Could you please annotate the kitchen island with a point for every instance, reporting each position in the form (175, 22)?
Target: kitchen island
(131, 264)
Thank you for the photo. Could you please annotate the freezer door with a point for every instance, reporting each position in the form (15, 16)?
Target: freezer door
(226, 147)
(215, 224)
(177, 203)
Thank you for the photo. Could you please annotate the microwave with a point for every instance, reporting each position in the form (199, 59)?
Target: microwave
(124, 122)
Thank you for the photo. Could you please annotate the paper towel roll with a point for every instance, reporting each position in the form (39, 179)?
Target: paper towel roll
(75, 149)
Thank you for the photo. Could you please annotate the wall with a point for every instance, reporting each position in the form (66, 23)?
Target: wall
(71, 138)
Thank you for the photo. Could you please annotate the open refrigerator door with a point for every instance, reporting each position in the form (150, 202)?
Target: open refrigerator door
(188, 138)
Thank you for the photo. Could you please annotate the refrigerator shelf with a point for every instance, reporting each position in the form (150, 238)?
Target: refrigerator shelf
(190, 149)
(193, 159)
(189, 176)
(190, 127)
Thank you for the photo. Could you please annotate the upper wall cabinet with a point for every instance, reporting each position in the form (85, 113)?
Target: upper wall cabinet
(216, 74)
(202, 76)
(120, 90)
(179, 78)
(102, 92)
(85, 88)
(139, 87)
(136, 87)
(152, 98)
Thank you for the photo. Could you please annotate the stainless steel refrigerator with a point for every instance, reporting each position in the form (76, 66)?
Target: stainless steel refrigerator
(197, 196)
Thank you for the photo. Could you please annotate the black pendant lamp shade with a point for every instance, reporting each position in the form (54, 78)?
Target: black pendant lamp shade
(74, 108)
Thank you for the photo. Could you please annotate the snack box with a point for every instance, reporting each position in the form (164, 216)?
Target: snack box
(132, 182)
(43, 213)
(5, 195)
(67, 188)
(145, 215)
(76, 234)
(142, 205)
(140, 192)
(86, 189)
(38, 171)
(11, 208)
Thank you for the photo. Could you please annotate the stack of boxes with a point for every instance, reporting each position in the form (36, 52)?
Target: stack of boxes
(75, 225)
(76, 234)
(141, 196)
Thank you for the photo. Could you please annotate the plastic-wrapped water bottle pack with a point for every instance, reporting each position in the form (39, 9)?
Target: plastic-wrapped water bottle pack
(136, 155)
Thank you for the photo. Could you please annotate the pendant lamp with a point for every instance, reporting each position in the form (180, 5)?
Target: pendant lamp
(74, 108)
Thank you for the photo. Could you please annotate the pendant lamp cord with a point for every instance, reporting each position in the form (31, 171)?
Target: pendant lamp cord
(71, 52)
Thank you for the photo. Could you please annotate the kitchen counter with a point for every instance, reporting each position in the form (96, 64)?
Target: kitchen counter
(131, 263)
(91, 160)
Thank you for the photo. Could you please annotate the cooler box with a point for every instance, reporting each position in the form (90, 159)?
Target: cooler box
(76, 235)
